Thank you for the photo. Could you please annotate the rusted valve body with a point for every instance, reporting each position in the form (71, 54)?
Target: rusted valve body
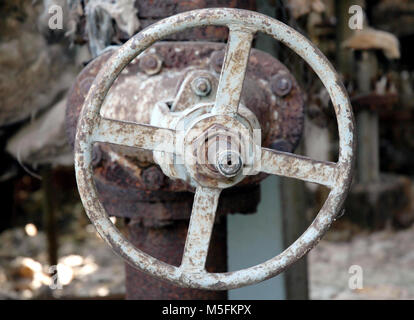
(124, 174)
(133, 187)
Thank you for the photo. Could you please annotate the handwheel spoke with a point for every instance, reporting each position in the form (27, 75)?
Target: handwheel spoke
(200, 228)
(233, 71)
(135, 135)
(298, 167)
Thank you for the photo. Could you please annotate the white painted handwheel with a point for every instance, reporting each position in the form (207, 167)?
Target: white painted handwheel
(92, 128)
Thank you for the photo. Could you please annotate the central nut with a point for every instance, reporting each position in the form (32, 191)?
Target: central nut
(229, 163)
(217, 150)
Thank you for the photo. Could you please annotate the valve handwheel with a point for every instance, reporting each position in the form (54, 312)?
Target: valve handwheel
(92, 128)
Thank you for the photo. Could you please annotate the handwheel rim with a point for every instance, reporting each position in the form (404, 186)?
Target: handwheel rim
(90, 116)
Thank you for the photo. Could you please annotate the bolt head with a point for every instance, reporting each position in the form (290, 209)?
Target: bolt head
(150, 63)
(201, 86)
(281, 84)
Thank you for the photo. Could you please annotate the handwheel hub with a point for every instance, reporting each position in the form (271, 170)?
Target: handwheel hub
(215, 151)
(218, 151)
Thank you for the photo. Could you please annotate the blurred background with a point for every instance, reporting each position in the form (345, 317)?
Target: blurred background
(44, 231)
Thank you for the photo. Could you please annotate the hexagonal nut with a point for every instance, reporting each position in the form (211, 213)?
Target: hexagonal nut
(209, 143)
(201, 86)
(281, 84)
(150, 63)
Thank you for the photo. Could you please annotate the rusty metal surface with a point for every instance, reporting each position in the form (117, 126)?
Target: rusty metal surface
(191, 272)
(234, 71)
(163, 208)
(299, 167)
(167, 244)
(199, 86)
(209, 33)
(280, 118)
(375, 102)
(151, 11)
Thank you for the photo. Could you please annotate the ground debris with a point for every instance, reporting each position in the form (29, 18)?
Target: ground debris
(87, 268)
(386, 258)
